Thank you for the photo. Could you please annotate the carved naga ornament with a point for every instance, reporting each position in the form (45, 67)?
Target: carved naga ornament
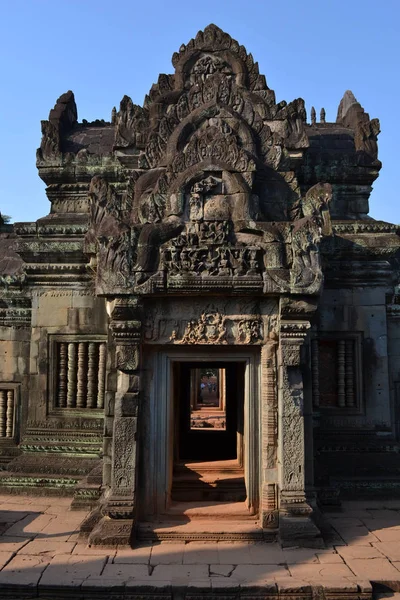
(211, 198)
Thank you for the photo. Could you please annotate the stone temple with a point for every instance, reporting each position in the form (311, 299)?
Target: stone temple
(206, 315)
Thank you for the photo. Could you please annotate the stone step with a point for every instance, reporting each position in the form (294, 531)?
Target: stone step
(209, 510)
(204, 530)
(199, 491)
(202, 468)
(209, 476)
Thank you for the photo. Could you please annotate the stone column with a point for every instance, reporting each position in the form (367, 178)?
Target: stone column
(119, 503)
(295, 524)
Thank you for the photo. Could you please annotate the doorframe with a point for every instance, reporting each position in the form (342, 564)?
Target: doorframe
(162, 416)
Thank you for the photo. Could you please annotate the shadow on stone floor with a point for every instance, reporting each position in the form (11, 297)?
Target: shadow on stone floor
(45, 554)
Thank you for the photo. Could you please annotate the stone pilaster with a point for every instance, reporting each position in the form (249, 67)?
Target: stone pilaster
(269, 437)
(119, 503)
(295, 524)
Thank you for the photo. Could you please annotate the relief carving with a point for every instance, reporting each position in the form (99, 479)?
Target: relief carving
(223, 323)
(208, 329)
(128, 357)
(124, 455)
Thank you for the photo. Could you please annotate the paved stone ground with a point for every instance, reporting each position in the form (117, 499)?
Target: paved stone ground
(40, 551)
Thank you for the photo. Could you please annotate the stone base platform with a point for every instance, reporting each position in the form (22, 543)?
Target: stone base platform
(207, 531)
(41, 556)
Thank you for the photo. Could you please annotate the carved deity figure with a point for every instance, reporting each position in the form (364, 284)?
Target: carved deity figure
(249, 331)
(195, 207)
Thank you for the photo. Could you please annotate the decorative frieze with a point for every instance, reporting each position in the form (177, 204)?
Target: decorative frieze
(80, 374)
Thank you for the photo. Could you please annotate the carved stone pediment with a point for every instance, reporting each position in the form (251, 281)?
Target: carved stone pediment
(214, 156)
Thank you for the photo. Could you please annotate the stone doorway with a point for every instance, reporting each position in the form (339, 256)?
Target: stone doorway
(169, 371)
(208, 402)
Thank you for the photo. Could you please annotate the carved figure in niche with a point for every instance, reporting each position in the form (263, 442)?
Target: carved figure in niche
(182, 107)
(209, 91)
(207, 66)
(223, 262)
(316, 205)
(306, 262)
(195, 96)
(249, 331)
(215, 232)
(174, 265)
(224, 90)
(197, 263)
(253, 263)
(217, 330)
(198, 199)
(213, 265)
(241, 266)
(306, 235)
(195, 206)
(201, 330)
(192, 238)
(114, 240)
(131, 252)
(185, 260)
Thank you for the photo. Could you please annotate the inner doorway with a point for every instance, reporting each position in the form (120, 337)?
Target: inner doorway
(208, 432)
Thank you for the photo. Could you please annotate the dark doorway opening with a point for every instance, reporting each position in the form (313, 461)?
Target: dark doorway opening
(208, 436)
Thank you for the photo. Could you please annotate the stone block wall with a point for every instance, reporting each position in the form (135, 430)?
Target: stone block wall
(360, 314)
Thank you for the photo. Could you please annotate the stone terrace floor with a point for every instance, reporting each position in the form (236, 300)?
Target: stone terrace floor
(41, 556)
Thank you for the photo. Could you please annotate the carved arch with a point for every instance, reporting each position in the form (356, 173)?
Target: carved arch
(188, 126)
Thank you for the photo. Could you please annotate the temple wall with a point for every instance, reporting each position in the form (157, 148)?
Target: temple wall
(14, 380)
(360, 313)
(394, 364)
(76, 314)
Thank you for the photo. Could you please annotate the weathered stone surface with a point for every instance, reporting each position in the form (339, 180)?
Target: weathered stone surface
(211, 225)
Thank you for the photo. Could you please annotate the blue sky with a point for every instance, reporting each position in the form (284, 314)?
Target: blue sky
(103, 50)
